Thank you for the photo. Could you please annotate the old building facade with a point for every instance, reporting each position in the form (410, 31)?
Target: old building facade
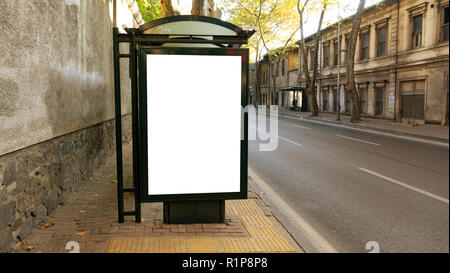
(401, 63)
(276, 73)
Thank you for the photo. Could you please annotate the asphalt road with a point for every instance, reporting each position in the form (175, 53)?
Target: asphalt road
(353, 187)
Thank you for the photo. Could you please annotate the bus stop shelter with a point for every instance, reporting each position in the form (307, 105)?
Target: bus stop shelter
(189, 82)
(297, 98)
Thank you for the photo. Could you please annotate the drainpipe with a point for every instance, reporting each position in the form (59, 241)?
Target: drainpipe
(338, 91)
(396, 62)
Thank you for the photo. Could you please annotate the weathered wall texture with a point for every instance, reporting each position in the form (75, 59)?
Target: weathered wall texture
(402, 62)
(35, 180)
(56, 72)
(56, 103)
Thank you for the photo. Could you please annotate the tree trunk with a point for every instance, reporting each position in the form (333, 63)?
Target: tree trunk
(212, 10)
(198, 7)
(275, 74)
(205, 8)
(351, 86)
(169, 8)
(315, 107)
(312, 99)
(258, 77)
(257, 91)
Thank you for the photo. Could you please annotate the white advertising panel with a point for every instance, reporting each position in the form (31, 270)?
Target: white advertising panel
(194, 123)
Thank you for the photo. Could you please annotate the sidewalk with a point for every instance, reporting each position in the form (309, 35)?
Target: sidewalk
(89, 218)
(434, 132)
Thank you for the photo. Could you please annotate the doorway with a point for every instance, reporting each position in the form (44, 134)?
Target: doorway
(412, 109)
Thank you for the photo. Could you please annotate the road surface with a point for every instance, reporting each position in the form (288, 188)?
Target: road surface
(353, 186)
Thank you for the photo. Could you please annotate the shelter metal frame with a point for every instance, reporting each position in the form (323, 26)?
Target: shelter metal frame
(136, 38)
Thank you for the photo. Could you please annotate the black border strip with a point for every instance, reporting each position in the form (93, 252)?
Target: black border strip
(143, 160)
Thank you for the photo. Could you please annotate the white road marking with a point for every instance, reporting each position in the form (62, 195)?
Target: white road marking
(290, 141)
(312, 236)
(442, 199)
(368, 142)
(285, 139)
(371, 131)
(295, 125)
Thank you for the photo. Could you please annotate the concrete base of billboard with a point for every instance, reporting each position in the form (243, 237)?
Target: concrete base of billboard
(194, 212)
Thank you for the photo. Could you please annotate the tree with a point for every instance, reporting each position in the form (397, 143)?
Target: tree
(351, 85)
(275, 61)
(310, 81)
(199, 7)
(271, 19)
(302, 52)
(150, 9)
(169, 8)
(317, 37)
(276, 54)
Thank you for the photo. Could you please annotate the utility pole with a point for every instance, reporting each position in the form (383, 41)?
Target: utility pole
(338, 91)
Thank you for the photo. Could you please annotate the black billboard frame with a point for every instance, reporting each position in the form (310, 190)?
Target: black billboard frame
(143, 123)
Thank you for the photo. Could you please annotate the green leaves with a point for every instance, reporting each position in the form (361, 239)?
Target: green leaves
(150, 9)
(274, 21)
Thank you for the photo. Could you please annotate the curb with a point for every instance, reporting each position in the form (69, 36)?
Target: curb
(392, 132)
(304, 234)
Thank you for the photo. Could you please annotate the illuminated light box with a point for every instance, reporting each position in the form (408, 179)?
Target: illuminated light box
(190, 107)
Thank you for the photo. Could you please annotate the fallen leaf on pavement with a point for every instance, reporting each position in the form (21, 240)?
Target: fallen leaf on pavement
(82, 211)
(81, 233)
(46, 225)
(29, 248)
(96, 195)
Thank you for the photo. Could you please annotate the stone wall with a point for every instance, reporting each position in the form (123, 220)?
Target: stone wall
(35, 180)
(56, 103)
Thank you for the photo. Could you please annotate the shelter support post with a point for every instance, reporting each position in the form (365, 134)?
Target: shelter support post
(118, 122)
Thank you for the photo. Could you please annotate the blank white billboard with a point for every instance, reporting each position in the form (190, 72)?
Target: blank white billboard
(194, 123)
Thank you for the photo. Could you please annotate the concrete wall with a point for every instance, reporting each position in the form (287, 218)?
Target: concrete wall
(56, 103)
(56, 72)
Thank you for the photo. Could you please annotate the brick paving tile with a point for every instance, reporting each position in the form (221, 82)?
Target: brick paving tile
(89, 218)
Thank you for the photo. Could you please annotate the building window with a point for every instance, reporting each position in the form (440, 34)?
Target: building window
(417, 31)
(282, 68)
(325, 99)
(334, 88)
(348, 102)
(336, 53)
(363, 99)
(381, 41)
(311, 59)
(347, 41)
(364, 38)
(379, 100)
(412, 100)
(326, 55)
(445, 21)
